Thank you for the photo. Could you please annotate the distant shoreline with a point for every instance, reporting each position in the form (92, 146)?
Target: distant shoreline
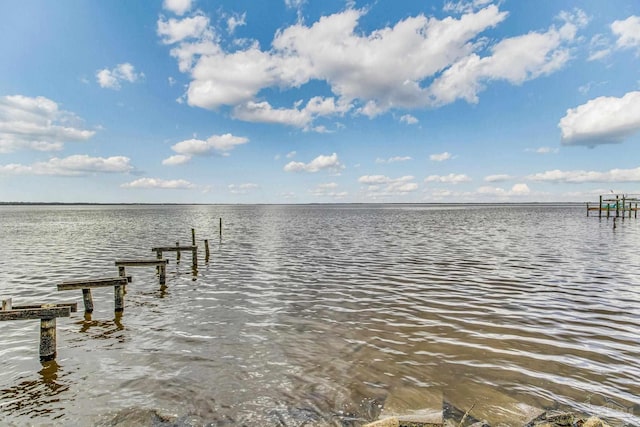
(296, 204)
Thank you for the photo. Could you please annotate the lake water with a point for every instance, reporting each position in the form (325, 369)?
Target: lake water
(322, 315)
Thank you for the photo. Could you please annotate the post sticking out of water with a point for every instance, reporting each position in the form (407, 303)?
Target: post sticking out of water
(193, 237)
(600, 208)
(88, 300)
(194, 257)
(220, 227)
(177, 252)
(6, 304)
(206, 250)
(47, 336)
(614, 223)
(617, 206)
(587, 208)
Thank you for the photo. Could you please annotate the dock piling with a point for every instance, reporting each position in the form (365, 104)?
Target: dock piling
(6, 304)
(221, 228)
(47, 313)
(206, 250)
(118, 288)
(193, 237)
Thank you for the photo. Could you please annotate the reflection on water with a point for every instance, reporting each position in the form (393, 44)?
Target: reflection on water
(38, 395)
(326, 315)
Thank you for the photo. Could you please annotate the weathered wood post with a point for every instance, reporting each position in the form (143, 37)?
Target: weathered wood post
(617, 206)
(193, 237)
(636, 214)
(177, 252)
(48, 336)
(194, 256)
(118, 291)
(220, 227)
(600, 210)
(161, 265)
(47, 313)
(608, 209)
(6, 304)
(587, 208)
(206, 250)
(86, 285)
(88, 300)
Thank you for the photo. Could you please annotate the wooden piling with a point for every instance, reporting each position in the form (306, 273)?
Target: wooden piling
(47, 313)
(600, 208)
(193, 249)
(194, 257)
(118, 293)
(47, 337)
(88, 300)
(117, 283)
(587, 208)
(193, 237)
(206, 250)
(161, 266)
(6, 304)
(178, 252)
(220, 227)
(617, 206)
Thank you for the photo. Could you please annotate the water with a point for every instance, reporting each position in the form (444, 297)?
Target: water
(322, 315)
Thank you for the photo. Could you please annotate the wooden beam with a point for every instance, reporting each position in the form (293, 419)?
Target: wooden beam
(36, 313)
(93, 283)
(73, 306)
(174, 248)
(140, 262)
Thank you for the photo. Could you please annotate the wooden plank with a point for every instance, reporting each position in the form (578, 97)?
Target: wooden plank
(72, 305)
(174, 248)
(35, 313)
(140, 262)
(93, 283)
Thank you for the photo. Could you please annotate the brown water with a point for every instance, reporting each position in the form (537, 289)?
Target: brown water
(322, 315)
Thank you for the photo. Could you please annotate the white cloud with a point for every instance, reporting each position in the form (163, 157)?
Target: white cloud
(497, 178)
(263, 112)
(441, 157)
(464, 6)
(321, 162)
(236, 21)
(516, 190)
(441, 60)
(328, 190)
(174, 184)
(176, 30)
(408, 119)
(603, 120)
(582, 176)
(291, 155)
(111, 79)
(178, 159)
(37, 124)
(179, 7)
(215, 144)
(394, 159)
(452, 178)
(516, 60)
(381, 186)
(242, 188)
(76, 165)
(599, 48)
(628, 32)
(542, 150)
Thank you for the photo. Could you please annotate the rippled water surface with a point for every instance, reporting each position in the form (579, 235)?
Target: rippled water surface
(322, 315)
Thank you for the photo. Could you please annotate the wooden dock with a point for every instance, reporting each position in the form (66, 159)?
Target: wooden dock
(616, 205)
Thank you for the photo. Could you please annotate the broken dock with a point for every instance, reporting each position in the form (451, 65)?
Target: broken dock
(616, 205)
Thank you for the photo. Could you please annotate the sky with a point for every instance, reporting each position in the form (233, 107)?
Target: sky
(319, 101)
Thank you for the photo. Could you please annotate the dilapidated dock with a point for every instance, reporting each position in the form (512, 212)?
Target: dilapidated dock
(616, 205)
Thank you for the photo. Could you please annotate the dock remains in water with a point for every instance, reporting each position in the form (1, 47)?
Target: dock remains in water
(616, 205)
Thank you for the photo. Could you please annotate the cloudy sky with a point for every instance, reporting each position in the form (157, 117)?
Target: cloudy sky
(305, 101)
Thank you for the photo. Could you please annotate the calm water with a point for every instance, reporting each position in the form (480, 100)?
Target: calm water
(323, 315)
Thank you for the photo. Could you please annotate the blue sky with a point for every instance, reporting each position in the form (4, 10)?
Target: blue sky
(294, 101)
